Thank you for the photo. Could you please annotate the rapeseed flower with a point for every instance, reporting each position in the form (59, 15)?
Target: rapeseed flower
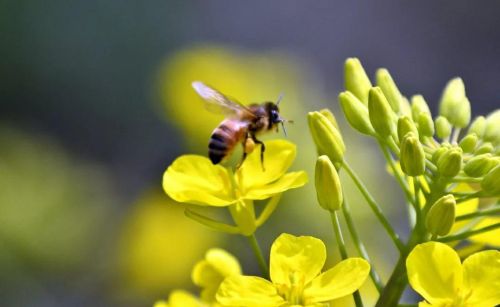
(209, 273)
(435, 272)
(296, 278)
(194, 179)
(180, 298)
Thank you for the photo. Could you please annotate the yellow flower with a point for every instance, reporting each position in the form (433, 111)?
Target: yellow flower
(435, 272)
(296, 278)
(194, 179)
(180, 298)
(209, 273)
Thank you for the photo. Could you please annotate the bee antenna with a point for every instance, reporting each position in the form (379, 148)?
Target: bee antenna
(279, 99)
(284, 129)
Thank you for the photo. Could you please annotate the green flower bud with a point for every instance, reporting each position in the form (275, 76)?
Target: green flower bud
(327, 138)
(480, 165)
(454, 104)
(478, 126)
(412, 155)
(391, 91)
(380, 112)
(491, 182)
(441, 216)
(329, 115)
(328, 188)
(438, 153)
(468, 143)
(405, 107)
(418, 106)
(443, 127)
(356, 80)
(492, 129)
(425, 125)
(356, 113)
(484, 148)
(450, 162)
(405, 125)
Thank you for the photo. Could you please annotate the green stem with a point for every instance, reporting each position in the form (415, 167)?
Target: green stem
(466, 234)
(489, 211)
(398, 280)
(258, 253)
(360, 246)
(375, 207)
(397, 174)
(343, 251)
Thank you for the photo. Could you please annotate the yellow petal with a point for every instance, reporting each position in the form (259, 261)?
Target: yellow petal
(434, 271)
(343, 279)
(211, 271)
(296, 257)
(278, 157)
(491, 237)
(248, 291)
(180, 298)
(482, 279)
(194, 179)
(288, 181)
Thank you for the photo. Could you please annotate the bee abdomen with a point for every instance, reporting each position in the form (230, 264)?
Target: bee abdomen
(219, 146)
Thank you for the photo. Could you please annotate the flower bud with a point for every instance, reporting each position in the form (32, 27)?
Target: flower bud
(491, 182)
(327, 138)
(425, 125)
(389, 88)
(412, 155)
(329, 115)
(356, 113)
(380, 112)
(405, 107)
(454, 104)
(405, 125)
(438, 153)
(480, 165)
(356, 80)
(492, 129)
(443, 127)
(328, 188)
(450, 162)
(418, 106)
(441, 216)
(485, 148)
(468, 143)
(478, 126)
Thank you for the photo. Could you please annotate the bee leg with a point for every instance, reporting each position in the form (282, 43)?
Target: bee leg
(248, 146)
(242, 159)
(262, 149)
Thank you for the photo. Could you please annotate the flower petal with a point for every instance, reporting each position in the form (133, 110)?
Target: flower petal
(211, 271)
(482, 278)
(194, 179)
(296, 257)
(278, 157)
(179, 298)
(492, 237)
(248, 291)
(288, 181)
(343, 279)
(434, 271)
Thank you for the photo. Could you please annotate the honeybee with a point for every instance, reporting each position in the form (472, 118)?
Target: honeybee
(241, 125)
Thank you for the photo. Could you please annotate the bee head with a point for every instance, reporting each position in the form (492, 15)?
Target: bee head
(274, 115)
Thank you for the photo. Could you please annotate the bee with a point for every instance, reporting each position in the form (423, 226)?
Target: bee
(241, 125)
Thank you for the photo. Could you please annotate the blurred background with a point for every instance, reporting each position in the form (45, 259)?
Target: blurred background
(95, 103)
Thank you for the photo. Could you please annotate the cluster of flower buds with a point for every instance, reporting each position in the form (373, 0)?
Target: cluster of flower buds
(444, 151)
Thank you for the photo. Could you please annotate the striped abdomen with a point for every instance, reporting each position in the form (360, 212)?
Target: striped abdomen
(224, 138)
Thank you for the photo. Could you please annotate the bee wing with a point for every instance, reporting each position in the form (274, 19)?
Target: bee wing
(217, 102)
